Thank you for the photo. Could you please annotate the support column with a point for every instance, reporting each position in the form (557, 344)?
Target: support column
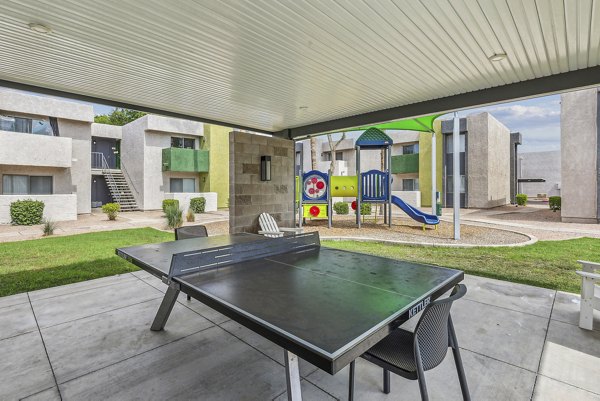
(456, 174)
(359, 192)
(433, 174)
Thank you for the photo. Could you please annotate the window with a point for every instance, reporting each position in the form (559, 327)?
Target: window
(185, 143)
(183, 185)
(450, 184)
(450, 143)
(339, 155)
(29, 125)
(26, 185)
(410, 149)
(326, 156)
(410, 184)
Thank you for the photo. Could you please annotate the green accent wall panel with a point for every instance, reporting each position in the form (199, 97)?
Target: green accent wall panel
(185, 160)
(403, 164)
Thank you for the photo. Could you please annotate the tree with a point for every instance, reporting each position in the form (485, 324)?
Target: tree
(313, 153)
(119, 116)
(332, 147)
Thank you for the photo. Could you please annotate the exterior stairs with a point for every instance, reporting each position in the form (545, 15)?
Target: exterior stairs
(119, 190)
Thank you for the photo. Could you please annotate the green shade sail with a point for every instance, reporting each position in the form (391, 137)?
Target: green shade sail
(423, 124)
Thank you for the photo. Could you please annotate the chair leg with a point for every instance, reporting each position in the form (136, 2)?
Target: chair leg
(421, 374)
(351, 382)
(464, 388)
(386, 381)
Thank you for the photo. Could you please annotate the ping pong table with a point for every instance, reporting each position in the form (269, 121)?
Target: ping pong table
(324, 305)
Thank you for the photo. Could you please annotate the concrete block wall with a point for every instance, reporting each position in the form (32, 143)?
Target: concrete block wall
(248, 195)
(579, 154)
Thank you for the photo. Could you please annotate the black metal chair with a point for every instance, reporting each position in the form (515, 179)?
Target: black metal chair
(410, 354)
(190, 232)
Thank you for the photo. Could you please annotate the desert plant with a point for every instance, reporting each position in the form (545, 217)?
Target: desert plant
(174, 216)
(49, 227)
(26, 212)
(521, 199)
(554, 202)
(340, 207)
(198, 204)
(168, 202)
(190, 216)
(111, 210)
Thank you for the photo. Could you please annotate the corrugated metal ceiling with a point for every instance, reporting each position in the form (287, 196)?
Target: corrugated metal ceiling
(272, 65)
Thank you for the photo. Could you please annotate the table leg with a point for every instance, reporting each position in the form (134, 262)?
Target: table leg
(292, 376)
(165, 308)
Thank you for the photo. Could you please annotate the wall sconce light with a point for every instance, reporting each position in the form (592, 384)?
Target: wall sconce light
(265, 168)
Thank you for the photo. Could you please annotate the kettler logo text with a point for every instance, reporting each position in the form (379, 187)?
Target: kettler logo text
(419, 307)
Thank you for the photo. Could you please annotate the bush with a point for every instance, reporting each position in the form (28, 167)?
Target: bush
(190, 216)
(111, 210)
(365, 209)
(169, 202)
(340, 207)
(49, 227)
(521, 199)
(26, 212)
(174, 216)
(198, 204)
(554, 203)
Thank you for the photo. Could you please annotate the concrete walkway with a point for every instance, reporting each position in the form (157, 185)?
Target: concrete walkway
(91, 341)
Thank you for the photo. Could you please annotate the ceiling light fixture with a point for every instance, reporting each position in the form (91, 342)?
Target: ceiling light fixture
(39, 28)
(497, 57)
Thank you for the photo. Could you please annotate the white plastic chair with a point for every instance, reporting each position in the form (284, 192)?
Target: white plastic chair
(590, 281)
(269, 227)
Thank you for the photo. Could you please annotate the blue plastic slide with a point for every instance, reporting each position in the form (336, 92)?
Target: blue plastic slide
(415, 213)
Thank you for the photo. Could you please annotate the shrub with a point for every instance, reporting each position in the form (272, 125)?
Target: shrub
(198, 204)
(521, 199)
(26, 212)
(340, 207)
(49, 227)
(111, 210)
(365, 209)
(174, 216)
(169, 202)
(554, 203)
(190, 216)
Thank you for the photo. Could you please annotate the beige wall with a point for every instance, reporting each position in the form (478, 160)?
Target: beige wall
(248, 196)
(579, 155)
(80, 172)
(488, 162)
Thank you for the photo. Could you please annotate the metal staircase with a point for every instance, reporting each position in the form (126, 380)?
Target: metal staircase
(117, 184)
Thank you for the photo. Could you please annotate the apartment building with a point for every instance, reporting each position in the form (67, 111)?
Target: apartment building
(485, 162)
(51, 150)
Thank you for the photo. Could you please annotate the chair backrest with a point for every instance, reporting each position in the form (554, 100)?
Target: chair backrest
(268, 223)
(190, 232)
(431, 333)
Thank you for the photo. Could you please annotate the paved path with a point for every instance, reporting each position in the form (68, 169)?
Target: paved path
(91, 341)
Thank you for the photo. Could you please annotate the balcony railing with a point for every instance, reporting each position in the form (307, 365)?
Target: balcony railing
(403, 164)
(185, 160)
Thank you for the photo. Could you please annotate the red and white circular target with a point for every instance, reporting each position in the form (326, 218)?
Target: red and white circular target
(315, 187)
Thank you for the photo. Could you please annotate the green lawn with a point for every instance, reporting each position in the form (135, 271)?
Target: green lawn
(48, 262)
(549, 264)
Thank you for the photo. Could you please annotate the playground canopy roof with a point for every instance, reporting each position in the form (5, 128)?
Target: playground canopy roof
(374, 138)
(299, 68)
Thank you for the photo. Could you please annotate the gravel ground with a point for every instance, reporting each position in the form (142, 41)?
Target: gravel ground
(404, 229)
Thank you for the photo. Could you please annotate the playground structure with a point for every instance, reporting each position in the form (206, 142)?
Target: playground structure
(316, 189)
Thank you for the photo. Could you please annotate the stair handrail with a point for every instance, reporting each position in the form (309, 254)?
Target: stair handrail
(129, 180)
(106, 171)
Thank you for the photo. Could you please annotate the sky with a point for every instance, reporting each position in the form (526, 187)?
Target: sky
(538, 120)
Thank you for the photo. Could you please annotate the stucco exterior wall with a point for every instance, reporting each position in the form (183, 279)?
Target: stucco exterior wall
(248, 195)
(81, 170)
(488, 162)
(107, 131)
(22, 103)
(425, 139)
(544, 165)
(18, 149)
(56, 207)
(184, 200)
(579, 155)
(217, 178)
(132, 159)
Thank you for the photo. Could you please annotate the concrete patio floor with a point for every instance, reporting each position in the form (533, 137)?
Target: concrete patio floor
(91, 341)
